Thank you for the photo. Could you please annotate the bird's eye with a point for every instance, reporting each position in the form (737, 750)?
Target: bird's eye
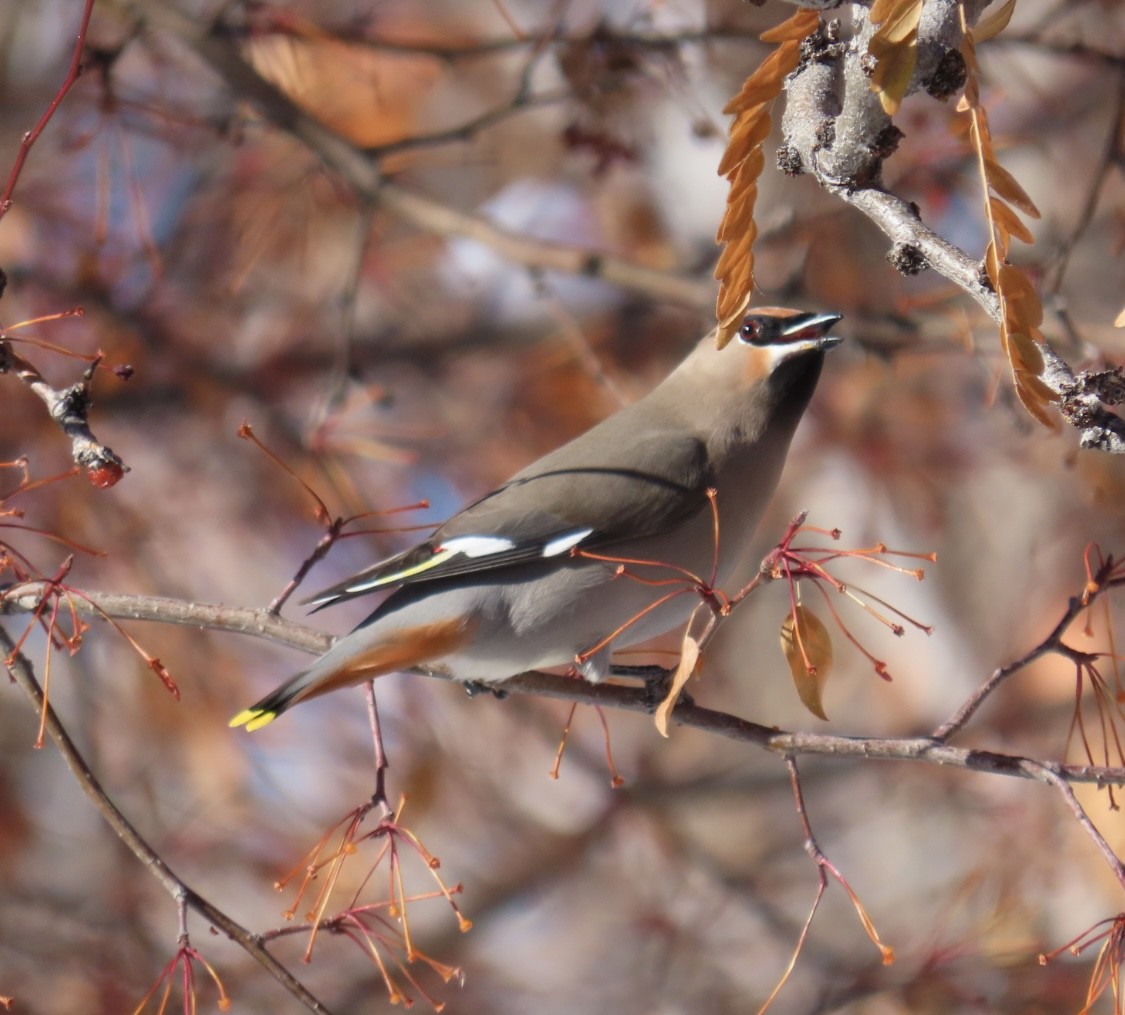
(751, 331)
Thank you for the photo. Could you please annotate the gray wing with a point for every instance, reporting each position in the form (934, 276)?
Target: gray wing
(596, 490)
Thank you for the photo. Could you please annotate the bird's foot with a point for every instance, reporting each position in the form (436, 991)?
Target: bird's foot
(475, 687)
(657, 683)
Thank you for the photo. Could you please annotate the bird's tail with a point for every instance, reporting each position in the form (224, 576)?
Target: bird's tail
(354, 659)
(263, 712)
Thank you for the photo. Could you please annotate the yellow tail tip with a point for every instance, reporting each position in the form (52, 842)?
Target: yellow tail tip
(252, 719)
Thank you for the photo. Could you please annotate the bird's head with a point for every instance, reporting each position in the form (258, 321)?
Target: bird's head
(772, 349)
(763, 378)
(775, 336)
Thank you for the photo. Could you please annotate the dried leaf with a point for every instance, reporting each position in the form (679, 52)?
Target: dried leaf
(897, 20)
(689, 662)
(728, 328)
(746, 137)
(792, 29)
(736, 253)
(1004, 184)
(764, 85)
(1009, 220)
(970, 99)
(732, 303)
(995, 23)
(992, 264)
(1037, 386)
(1024, 353)
(979, 137)
(739, 218)
(807, 647)
(1032, 402)
(1023, 309)
(742, 163)
(894, 47)
(892, 74)
(969, 52)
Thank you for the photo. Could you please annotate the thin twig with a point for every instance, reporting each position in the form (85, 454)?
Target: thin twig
(379, 797)
(1099, 583)
(29, 139)
(1053, 778)
(1111, 155)
(24, 676)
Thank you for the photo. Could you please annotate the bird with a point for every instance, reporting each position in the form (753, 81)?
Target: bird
(603, 543)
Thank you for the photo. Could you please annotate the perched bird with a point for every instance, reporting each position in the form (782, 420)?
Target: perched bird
(583, 551)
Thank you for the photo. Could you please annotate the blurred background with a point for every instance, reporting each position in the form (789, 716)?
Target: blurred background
(385, 363)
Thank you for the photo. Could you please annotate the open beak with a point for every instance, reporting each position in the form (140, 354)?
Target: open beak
(812, 327)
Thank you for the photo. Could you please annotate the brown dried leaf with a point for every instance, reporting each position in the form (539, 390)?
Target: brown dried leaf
(742, 163)
(807, 647)
(894, 47)
(733, 306)
(1024, 353)
(739, 218)
(744, 177)
(1022, 307)
(688, 664)
(728, 328)
(746, 136)
(1005, 185)
(737, 262)
(892, 74)
(1037, 386)
(1007, 219)
(992, 264)
(969, 52)
(368, 96)
(1032, 402)
(897, 20)
(980, 141)
(792, 29)
(734, 256)
(764, 85)
(970, 98)
(995, 23)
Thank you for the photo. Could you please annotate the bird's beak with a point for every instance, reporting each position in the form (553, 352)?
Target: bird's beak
(812, 328)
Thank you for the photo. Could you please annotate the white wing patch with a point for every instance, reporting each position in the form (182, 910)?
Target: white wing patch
(475, 546)
(560, 544)
(464, 546)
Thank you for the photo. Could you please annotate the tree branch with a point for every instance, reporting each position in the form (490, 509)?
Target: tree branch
(70, 409)
(25, 598)
(24, 676)
(837, 131)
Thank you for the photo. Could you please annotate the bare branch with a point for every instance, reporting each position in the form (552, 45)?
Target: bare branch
(29, 139)
(1083, 399)
(1052, 778)
(930, 750)
(25, 598)
(70, 409)
(24, 676)
(836, 130)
